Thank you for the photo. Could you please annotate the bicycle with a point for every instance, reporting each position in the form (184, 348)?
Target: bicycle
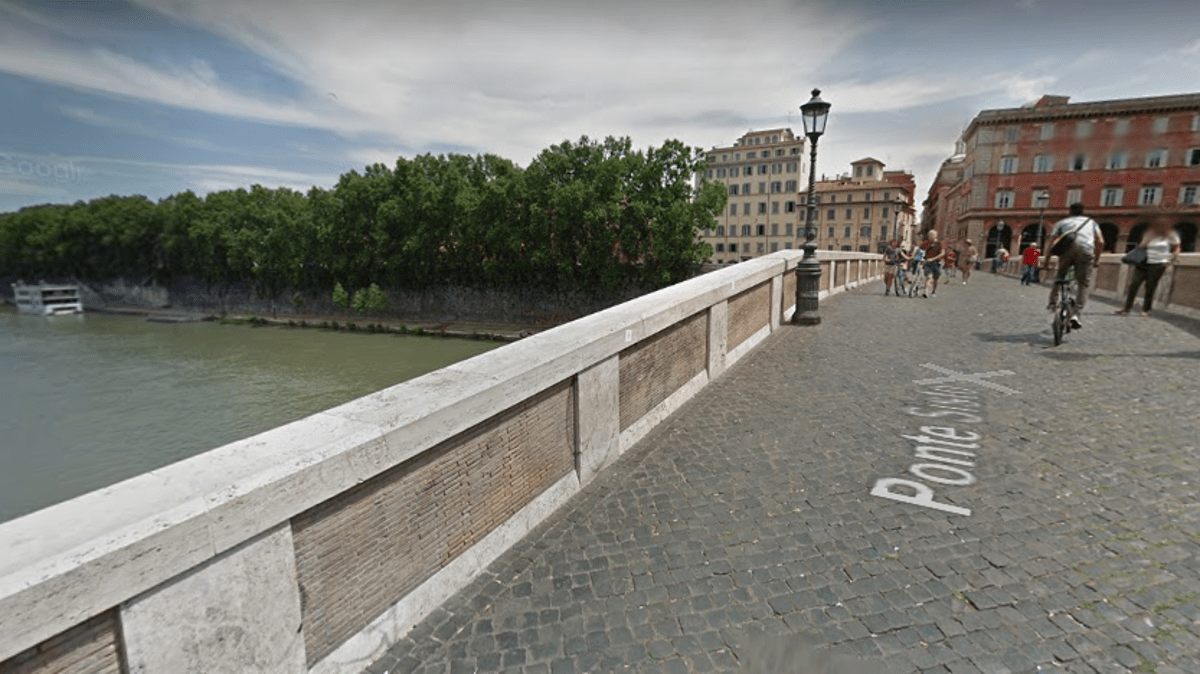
(898, 278)
(1064, 306)
(917, 280)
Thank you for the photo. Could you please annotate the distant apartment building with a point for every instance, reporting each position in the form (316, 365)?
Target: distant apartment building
(861, 210)
(1018, 170)
(765, 177)
(763, 173)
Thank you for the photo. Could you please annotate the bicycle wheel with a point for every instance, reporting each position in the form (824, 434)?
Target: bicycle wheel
(1060, 323)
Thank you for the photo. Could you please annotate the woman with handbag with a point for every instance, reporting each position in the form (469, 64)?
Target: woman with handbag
(1158, 248)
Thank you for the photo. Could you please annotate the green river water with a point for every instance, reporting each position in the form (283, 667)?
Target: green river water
(87, 401)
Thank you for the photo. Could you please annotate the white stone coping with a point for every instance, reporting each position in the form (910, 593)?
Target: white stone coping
(61, 565)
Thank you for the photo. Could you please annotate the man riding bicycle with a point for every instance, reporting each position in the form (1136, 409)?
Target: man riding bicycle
(1086, 246)
(935, 253)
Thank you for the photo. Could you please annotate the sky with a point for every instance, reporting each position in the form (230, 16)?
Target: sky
(154, 97)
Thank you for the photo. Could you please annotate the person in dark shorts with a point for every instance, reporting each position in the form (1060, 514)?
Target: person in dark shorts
(934, 254)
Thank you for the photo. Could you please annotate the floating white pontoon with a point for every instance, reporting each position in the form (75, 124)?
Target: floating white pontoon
(47, 300)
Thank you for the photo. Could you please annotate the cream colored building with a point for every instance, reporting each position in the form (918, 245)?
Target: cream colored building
(764, 175)
(861, 210)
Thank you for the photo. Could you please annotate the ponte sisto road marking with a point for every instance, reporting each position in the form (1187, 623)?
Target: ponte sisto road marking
(977, 378)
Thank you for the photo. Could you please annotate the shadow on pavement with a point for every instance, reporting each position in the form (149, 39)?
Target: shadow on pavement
(1028, 338)
(791, 655)
(1069, 356)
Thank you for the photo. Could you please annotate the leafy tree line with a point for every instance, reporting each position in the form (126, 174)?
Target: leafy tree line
(586, 215)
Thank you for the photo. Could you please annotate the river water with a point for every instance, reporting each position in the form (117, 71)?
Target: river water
(87, 401)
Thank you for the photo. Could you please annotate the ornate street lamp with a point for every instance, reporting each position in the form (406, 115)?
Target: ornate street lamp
(1043, 199)
(899, 204)
(808, 272)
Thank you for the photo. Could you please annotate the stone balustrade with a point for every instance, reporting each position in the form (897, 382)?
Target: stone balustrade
(313, 546)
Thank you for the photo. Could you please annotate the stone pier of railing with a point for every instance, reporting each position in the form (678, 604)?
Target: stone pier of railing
(313, 546)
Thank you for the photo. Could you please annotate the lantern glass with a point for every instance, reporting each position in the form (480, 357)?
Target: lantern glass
(815, 114)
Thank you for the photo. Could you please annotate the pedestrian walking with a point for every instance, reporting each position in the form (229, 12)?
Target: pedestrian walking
(1030, 259)
(970, 258)
(1161, 245)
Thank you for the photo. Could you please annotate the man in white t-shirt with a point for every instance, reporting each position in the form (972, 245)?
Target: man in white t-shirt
(1083, 255)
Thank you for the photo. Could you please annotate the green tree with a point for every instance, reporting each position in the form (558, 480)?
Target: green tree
(341, 298)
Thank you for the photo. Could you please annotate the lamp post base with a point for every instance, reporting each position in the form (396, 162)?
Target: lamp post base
(808, 284)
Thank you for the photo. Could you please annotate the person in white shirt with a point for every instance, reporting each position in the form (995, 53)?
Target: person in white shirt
(1162, 246)
(1082, 256)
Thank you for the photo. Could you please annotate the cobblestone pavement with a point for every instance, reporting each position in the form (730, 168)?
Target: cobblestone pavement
(748, 515)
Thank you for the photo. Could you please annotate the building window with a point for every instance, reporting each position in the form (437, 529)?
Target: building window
(1150, 196)
(774, 229)
(787, 245)
(792, 167)
(1117, 161)
(762, 208)
(1083, 129)
(858, 171)
(1047, 131)
(733, 190)
(867, 213)
(710, 174)
(746, 208)
(774, 247)
(864, 249)
(833, 198)
(761, 247)
(720, 173)
(745, 230)
(883, 232)
(1161, 124)
(733, 209)
(1121, 127)
(1187, 195)
(846, 233)
(777, 168)
(787, 229)
(751, 155)
(870, 170)
(832, 214)
(847, 248)
(1004, 199)
(762, 169)
(1075, 196)
(789, 186)
(1079, 162)
(776, 187)
(886, 213)
(761, 230)
(762, 188)
(867, 196)
(1011, 134)
(1196, 123)
(733, 247)
(721, 248)
(720, 230)
(1156, 158)
(831, 232)
(1043, 163)
(1008, 164)
(775, 208)
(1112, 196)
(1193, 157)
(849, 198)
(746, 186)
(789, 207)
(849, 214)
(733, 172)
(865, 232)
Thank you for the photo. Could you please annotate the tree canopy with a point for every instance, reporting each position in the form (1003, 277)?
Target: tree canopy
(585, 215)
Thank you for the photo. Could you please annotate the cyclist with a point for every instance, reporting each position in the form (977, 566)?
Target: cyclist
(1083, 254)
(894, 257)
(934, 254)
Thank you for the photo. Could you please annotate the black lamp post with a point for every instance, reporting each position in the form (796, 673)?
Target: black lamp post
(808, 272)
(1043, 199)
(899, 204)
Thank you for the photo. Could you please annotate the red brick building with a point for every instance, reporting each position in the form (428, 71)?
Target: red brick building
(1019, 168)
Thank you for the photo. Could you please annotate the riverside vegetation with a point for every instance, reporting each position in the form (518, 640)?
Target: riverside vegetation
(591, 216)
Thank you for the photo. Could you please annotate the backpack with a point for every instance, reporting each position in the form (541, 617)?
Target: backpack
(1067, 241)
